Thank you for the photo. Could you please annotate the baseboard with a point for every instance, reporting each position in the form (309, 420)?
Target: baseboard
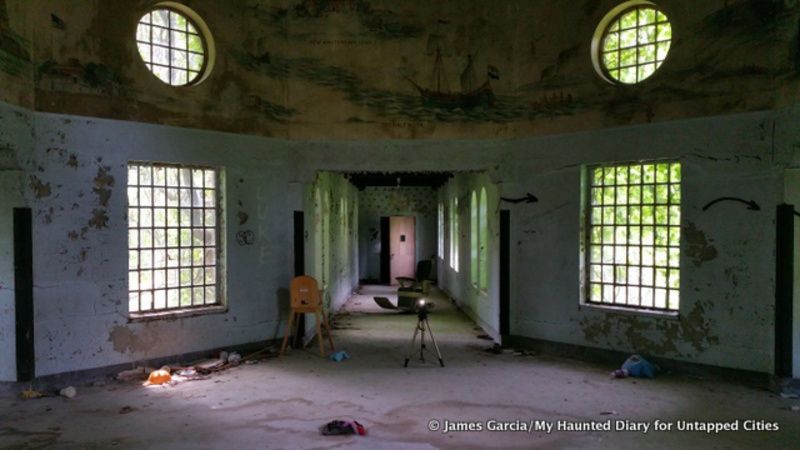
(55, 382)
(614, 359)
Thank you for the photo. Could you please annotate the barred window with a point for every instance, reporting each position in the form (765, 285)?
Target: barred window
(454, 233)
(479, 234)
(174, 243)
(172, 46)
(633, 235)
(635, 44)
(440, 240)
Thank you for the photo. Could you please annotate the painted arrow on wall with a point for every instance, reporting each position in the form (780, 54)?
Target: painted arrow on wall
(530, 198)
(751, 205)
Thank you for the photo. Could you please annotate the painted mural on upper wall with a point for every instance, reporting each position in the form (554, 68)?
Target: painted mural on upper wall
(15, 59)
(380, 68)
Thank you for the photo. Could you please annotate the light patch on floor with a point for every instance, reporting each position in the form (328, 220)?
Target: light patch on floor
(281, 403)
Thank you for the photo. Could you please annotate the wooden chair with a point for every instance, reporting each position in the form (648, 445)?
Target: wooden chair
(305, 298)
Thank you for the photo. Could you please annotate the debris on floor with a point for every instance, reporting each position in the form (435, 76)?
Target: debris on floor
(343, 427)
(234, 359)
(339, 356)
(172, 374)
(30, 393)
(159, 376)
(68, 392)
(636, 367)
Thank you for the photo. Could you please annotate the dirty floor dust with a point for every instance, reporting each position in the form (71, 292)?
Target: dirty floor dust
(281, 402)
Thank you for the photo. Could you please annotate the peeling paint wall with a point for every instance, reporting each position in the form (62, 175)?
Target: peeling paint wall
(75, 179)
(377, 202)
(727, 290)
(726, 315)
(331, 244)
(482, 307)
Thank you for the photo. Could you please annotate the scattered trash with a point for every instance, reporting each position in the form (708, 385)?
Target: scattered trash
(158, 377)
(636, 367)
(210, 365)
(234, 359)
(132, 374)
(343, 427)
(190, 372)
(126, 410)
(339, 356)
(68, 392)
(29, 394)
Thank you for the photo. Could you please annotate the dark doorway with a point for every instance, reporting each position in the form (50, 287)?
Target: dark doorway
(505, 278)
(299, 244)
(23, 293)
(385, 252)
(299, 267)
(784, 287)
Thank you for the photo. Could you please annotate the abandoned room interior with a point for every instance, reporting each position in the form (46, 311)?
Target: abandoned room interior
(399, 224)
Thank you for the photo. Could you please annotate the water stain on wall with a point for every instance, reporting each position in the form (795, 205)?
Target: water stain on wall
(40, 189)
(103, 182)
(653, 336)
(124, 339)
(698, 247)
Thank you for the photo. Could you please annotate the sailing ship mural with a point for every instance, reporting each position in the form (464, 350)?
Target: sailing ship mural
(472, 94)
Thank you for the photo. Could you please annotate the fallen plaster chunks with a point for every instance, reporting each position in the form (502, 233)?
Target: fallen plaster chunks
(68, 392)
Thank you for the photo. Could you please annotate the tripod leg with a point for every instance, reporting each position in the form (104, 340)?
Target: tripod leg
(413, 340)
(422, 342)
(438, 353)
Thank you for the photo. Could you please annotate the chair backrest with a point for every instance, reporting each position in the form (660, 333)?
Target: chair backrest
(305, 293)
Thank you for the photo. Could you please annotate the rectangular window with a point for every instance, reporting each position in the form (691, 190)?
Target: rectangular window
(633, 235)
(474, 241)
(454, 234)
(174, 247)
(440, 248)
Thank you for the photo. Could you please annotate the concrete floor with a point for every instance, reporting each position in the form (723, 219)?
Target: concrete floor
(280, 403)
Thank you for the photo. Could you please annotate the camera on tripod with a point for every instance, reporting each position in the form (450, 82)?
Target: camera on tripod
(423, 306)
(423, 329)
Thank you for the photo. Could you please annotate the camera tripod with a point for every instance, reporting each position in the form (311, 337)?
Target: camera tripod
(422, 327)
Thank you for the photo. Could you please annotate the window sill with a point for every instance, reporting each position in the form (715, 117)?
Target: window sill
(671, 315)
(177, 314)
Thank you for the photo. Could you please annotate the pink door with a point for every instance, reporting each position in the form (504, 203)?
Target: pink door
(402, 247)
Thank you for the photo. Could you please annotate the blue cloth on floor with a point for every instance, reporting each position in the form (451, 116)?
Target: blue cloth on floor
(638, 367)
(341, 355)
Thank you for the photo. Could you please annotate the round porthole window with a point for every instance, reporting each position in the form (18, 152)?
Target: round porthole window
(631, 42)
(175, 44)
